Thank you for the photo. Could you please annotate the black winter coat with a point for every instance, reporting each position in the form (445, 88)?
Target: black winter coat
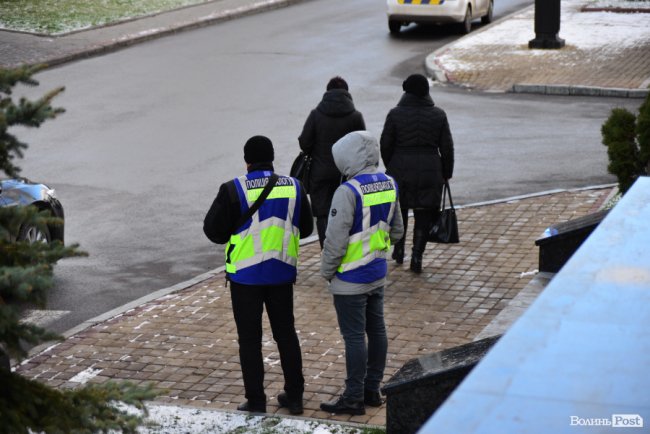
(334, 117)
(418, 151)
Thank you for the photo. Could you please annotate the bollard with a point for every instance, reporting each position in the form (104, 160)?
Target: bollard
(547, 25)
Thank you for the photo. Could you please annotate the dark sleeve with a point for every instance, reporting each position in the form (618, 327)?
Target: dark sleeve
(361, 124)
(446, 150)
(306, 219)
(387, 140)
(308, 136)
(221, 217)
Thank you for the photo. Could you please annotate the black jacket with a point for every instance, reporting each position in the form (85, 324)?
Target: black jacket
(333, 118)
(219, 223)
(417, 149)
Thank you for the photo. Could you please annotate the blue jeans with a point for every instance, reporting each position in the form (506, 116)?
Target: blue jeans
(358, 316)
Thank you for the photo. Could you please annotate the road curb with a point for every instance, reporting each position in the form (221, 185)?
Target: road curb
(572, 90)
(532, 195)
(433, 66)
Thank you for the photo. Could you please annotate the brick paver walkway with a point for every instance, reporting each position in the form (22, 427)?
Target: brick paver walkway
(500, 68)
(186, 342)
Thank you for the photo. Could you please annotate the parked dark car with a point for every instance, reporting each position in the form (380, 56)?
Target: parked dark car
(22, 192)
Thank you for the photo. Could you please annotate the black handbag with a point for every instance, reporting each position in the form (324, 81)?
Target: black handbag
(300, 169)
(445, 228)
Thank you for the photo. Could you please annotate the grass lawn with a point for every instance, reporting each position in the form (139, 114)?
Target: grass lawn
(55, 17)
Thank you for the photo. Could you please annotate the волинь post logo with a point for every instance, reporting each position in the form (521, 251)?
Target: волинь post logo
(616, 421)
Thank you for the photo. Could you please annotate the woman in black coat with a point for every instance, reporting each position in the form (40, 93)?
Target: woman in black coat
(418, 151)
(334, 117)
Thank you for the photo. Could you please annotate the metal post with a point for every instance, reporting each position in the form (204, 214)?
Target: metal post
(547, 25)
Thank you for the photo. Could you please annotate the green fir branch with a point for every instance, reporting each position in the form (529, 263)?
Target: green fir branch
(26, 270)
(90, 409)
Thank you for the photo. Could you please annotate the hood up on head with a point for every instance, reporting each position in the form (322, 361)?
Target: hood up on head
(356, 152)
(336, 103)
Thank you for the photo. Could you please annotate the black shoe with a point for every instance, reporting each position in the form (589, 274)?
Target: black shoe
(372, 399)
(294, 405)
(344, 406)
(253, 408)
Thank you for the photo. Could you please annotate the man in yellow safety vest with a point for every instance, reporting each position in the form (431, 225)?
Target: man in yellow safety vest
(261, 217)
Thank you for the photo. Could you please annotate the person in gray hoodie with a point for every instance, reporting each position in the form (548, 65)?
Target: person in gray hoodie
(364, 220)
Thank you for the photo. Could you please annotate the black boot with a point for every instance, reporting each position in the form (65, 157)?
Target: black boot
(294, 405)
(252, 407)
(419, 243)
(344, 406)
(398, 251)
(372, 399)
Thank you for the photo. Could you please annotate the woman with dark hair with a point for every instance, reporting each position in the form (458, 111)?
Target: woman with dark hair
(334, 117)
(418, 151)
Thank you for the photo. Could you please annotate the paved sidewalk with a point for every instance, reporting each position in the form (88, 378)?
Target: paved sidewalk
(18, 48)
(186, 341)
(606, 54)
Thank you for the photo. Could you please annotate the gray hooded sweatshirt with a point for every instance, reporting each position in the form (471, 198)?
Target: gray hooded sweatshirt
(356, 153)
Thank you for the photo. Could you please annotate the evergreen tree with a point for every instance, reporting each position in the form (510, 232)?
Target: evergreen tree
(643, 133)
(627, 138)
(26, 271)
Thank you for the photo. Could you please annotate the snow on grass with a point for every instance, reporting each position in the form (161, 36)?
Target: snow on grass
(181, 420)
(57, 17)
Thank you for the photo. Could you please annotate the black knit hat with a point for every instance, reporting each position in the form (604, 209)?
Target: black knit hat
(258, 149)
(337, 83)
(417, 84)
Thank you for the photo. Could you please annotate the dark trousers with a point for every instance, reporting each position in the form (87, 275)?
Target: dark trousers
(321, 227)
(248, 303)
(423, 218)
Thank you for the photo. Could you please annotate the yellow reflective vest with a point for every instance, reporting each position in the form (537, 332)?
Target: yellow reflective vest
(264, 250)
(365, 257)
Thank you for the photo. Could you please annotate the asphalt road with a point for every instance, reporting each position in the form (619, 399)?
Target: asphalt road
(151, 131)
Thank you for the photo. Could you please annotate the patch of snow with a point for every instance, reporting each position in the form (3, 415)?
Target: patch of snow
(85, 375)
(528, 273)
(581, 31)
(623, 4)
(181, 420)
(140, 326)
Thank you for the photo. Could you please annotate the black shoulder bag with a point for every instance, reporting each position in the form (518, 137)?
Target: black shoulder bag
(301, 169)
(445, 229)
